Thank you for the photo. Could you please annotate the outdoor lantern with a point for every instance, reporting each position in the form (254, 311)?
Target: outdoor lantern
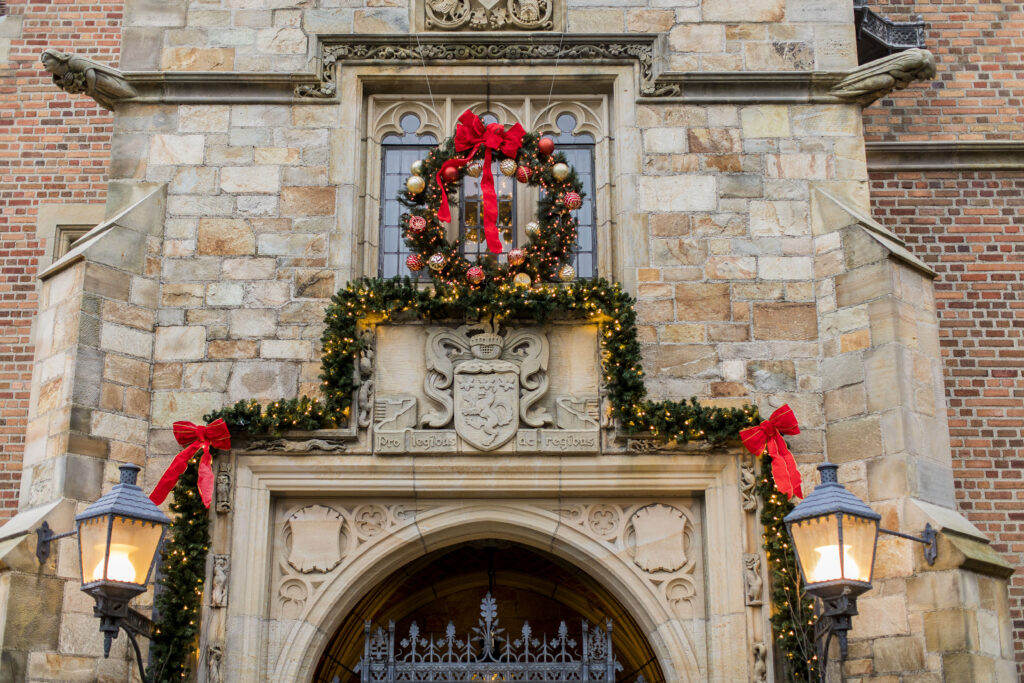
(118, 539)
(835, 534)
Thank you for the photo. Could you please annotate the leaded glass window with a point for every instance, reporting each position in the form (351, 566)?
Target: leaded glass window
(397, 154)
(471, 224)
(578, 149)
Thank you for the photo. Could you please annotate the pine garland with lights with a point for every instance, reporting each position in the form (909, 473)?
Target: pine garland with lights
(792, 609)
(182, 570)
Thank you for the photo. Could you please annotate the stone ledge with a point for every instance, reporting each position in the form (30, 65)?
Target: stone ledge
(218, 87)
(993, 155)
(763, 87)
(961, 544)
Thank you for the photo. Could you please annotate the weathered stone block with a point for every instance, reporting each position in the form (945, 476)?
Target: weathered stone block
(204, 118)
(262, 179)
(180, 343)
(675, 252)
(771, 376)
(697, 38)
(225, 237)
(32, 621)
(262, 380)
(857, 439)
(126, 340)
(596, 20)
(686, 360)
(249, 268)
(765, 121)
(197, 59)
(779, 219)
(792, 321)
(703, 302)
(731, 267)
(660, 194)
(171, 406)
(295, 349)
(714, 140)
(307, 201)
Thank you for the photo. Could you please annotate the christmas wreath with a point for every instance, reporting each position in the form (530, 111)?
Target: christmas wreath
(532, 160)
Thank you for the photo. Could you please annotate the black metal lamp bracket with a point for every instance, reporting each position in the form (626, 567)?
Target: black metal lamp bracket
(45, 536)
(930, 538)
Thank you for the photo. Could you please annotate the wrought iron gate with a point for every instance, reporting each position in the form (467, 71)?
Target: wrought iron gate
(488, 654)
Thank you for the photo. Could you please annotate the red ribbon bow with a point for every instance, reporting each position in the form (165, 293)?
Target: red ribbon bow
(470, 134)
(768, 435)
(194, 438)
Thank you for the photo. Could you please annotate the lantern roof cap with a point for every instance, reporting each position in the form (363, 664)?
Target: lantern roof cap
(830, 497)
(126, 499)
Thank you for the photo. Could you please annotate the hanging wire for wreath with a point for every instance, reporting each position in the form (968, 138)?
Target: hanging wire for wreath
(531, 159)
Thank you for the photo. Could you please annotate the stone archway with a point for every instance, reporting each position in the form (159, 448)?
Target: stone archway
(529, 585)
(671, 639)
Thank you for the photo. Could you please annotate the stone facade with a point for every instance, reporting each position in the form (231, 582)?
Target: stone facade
(735, 208)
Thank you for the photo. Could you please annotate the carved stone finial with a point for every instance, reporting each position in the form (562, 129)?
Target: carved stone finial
(876, 79)
(74, 74)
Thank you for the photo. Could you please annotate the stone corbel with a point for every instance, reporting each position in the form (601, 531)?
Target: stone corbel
(74, 74)
(876, 79)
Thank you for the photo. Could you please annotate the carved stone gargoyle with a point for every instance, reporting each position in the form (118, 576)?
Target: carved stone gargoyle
(74, 75)
(876, 79)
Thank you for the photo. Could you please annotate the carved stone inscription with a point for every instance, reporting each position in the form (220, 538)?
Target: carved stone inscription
(486, 389)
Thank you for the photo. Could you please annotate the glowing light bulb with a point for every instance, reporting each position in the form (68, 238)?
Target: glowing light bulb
(120, 567)
(828, 568)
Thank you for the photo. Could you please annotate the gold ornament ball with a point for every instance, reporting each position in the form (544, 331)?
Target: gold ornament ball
(475, 169)
(567, 273)
(508, 166)
(560, 171)
(436, 262)
(475, 275)
(522, 280)
(415, 184)
(419, 167)
(532, 229)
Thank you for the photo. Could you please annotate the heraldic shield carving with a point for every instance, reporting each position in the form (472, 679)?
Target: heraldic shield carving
(486, 382)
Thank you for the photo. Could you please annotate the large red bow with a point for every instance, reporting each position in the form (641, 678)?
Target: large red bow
(470, 134)
(769, 434)
(194, 438)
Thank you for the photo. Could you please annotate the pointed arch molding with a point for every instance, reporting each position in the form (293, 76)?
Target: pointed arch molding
(397, 514)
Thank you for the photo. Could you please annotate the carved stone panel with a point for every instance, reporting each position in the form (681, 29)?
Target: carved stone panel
(481, 388)
(316, 539)
(658, 533)
(488, 15)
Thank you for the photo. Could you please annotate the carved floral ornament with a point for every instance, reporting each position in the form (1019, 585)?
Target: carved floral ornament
(488, 15)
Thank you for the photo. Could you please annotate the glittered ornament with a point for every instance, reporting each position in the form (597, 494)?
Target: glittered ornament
(475, 275)
(508, 166)
(545, 145)
(418, 167)
(475, 169)
(436, 262)
(414, 262)
(516, 257)
(522, 280)
(567, 273)
(532, 229)
(415, 184)
(450, 174)
(572, 201)
(523, 174)
(417, 224)
(560, 171)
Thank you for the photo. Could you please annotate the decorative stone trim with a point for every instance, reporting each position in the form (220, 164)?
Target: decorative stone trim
(946, 156)
(217, 87)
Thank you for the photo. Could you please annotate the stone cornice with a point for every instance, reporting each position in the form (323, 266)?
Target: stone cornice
(220, 87)
(751, 87)
(981, 155)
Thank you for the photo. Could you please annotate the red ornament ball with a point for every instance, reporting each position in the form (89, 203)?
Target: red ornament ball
(545, 146)
(450, 174)
(417, 224)
(516, 257)
(475, 275)
(523, 174)
(572, 201)
(414, 262)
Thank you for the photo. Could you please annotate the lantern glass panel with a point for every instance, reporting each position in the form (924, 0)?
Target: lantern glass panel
(93, 534)
(859, 536)
(133, 545)
(817, 548)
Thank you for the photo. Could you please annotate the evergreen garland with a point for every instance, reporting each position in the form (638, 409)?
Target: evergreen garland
(792, 609)
(182, 570)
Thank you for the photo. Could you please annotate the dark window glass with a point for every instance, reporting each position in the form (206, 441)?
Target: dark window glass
(397, 154)
(471, 214)
(579, 152)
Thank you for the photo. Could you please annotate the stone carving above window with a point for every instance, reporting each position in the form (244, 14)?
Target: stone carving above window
(485, 388)
(488, 15)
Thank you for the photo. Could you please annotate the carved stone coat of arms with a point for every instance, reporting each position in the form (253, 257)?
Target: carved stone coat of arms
(485, 383)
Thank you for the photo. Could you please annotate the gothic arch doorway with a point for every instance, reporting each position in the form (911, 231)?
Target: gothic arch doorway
(527, 585)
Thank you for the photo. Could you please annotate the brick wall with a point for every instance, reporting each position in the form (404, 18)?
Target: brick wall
(54, 148)
(967, 226)
(978, 92)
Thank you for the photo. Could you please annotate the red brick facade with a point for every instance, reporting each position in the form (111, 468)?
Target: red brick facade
(54, 148)
(968, 224)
